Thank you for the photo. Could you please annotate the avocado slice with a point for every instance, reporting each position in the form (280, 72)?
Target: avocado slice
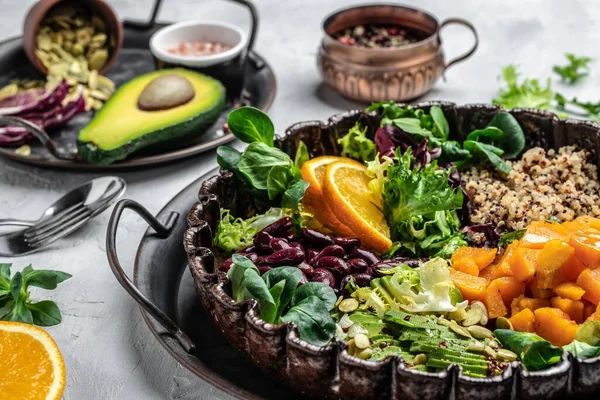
(121, 127)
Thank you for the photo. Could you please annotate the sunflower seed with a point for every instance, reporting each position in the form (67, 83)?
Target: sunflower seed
(98, 59)
(504, 323)
(362, 341)
(24, 150)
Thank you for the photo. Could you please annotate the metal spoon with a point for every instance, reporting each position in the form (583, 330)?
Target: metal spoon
(66, 215)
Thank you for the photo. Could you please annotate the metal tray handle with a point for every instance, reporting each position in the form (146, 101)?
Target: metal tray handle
(162, 231)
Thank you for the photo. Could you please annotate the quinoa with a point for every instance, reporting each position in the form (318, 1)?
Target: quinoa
(542, 184)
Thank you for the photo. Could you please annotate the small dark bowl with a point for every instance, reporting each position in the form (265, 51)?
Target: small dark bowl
(330, 372)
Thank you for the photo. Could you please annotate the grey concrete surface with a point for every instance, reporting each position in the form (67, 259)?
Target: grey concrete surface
(109, 351)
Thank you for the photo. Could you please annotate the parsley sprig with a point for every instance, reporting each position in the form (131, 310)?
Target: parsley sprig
(577, 68)
(15, 302)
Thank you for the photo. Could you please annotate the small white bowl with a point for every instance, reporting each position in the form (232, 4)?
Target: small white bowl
(198, 31)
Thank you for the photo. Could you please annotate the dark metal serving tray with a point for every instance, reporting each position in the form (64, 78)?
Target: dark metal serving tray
(319, 372)
(134, 59)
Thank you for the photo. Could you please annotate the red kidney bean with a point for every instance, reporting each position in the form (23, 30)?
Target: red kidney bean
(297, 245)
(324, 276)
(226, 265)
(357, 265)
(333, 250)
(347, 243)
(393, 262)
(335, 264)
(303, 280)
(264, 269)
(359, 279)
(305, 268)
(262, 242)
(310, 255)
(291, 256)
(279, 228)
(365, 254)
(315, 238)
(277, 244)
(291, 236)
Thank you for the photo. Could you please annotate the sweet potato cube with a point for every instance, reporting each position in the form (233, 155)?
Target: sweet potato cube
(523, 263)
(466, 265)
(489, 271)
(533, 304)
(471, 287)
(538, 293)
(570, 271)
(503, 268)
(591, 222)
(554, 325)
(575, 227)
(587, 249)
(494, 302)
(589, 280)
(538, 233)
(479, 255)
(515, 305)
(509, 288)
(573, 308)
(523, 320)
(569, 290)
(588, 310)
(554, 254)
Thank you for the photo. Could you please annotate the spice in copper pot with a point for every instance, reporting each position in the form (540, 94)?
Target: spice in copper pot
(198, 48)
(379, 36)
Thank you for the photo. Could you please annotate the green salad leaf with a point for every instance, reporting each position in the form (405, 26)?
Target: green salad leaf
(233, 233)
(535, 352)
(510, 237)
(15, 299)
(294, 194)
(357, 145)
(582, 349)
(577, 68)
(302, 155)
(251, 125)
(528, 93)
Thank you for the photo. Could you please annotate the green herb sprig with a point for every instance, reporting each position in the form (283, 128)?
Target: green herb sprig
(577, 68)
(15, 302)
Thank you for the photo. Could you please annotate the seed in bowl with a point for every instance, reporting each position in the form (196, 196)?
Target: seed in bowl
(198, 48)
(378, 36)
(542, 184)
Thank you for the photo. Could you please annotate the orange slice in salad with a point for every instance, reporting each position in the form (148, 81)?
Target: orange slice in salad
(31, 364)
(313, 171)
(346, 191)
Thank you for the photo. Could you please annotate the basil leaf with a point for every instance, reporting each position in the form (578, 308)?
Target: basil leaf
(278, 180)
(293, 195)
(410, 125)
(302, 155)
(251, 125)
(19, 313)
(541, 355)
(236, 276)
(259, 291)
(313, 320)
(228, 158)
(6, 309)
(318, 289)
(5, 275)
(43, 278)
(489, 152)
(451, 151)
(491, 133)
(291, 276)
(44, 313)
(582, 349)
(16, 284)
(440, 121)
(513, 141)
(257, 161)
(510, 237)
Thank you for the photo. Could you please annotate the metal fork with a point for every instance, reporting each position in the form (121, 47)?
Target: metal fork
(59, 225)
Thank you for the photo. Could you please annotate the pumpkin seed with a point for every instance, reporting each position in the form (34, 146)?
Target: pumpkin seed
(351, 347)
(458, 315)
(24, 150)
(364, 354)
(9, 90)
(44, 41)
(346, 306)
(444, 322)
(504, 323)
(98, 23)
(98, 59)
(480, 332)
(459, 330)
(484, 313)
(472, 316)
(506, 355)
(476, 346)
(420, 359)
(362, 341)
(97, 104)
(489, 351)
(493, 344)
(93, 84)
(99, 38)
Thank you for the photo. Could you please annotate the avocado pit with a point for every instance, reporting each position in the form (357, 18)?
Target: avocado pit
(166, 92)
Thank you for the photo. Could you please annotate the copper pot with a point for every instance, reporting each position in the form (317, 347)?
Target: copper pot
(376, 74)
(37, 13)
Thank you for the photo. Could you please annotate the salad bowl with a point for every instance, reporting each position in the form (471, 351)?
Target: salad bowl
(330, 371)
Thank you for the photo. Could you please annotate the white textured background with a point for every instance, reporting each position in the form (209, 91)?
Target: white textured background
(110, 353)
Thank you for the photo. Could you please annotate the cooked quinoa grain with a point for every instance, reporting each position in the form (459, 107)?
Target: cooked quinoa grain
(543, 184)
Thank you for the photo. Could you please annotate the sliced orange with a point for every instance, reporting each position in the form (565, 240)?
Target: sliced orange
(313, 171)
(31, 364)
(346, 191)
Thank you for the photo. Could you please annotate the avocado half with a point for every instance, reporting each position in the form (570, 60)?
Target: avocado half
(121, 128)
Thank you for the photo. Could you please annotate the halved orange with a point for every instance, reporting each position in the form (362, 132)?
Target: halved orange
(313, 171)
(346, 191)
(31, 364)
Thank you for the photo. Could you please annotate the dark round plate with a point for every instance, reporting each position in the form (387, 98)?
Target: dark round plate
(161, 274)
(134, 59)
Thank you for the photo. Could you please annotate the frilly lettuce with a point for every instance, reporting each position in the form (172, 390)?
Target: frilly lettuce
(377, 170)
(235, 233)
(357, 145)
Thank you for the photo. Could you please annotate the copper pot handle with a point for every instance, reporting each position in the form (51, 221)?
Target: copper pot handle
(468, 54)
